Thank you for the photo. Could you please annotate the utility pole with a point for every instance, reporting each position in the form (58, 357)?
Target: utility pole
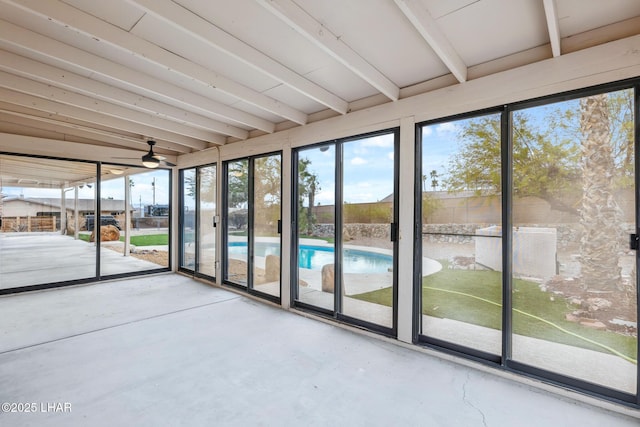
(153, 184)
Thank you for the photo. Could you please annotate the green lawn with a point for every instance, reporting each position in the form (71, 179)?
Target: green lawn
(149, 240)
(144, 240)
(476, 297)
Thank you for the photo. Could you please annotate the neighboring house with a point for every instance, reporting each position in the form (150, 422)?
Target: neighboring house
(29, 207)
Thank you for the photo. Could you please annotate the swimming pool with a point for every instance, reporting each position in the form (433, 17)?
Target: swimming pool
(314, 257)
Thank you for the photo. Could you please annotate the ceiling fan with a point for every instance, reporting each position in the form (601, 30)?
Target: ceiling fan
(151, 160)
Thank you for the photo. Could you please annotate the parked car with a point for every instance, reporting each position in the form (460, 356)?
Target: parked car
(104, 220)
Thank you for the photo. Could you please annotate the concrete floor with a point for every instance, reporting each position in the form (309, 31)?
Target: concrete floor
(38, 258)
(167, 350)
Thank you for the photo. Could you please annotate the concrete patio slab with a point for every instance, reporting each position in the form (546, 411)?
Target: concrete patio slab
(167, 350)
(37, 258)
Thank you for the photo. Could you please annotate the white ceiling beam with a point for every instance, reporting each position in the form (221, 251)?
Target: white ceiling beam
(50, 147)
(77, 130)
(56, 108)
(428, 28)
(15, 37)
(52, 93)
(553, 26)
(306, 25)
(29, 68)
(197, 27)
(171, 64)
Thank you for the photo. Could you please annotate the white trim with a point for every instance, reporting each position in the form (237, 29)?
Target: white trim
(406, 225)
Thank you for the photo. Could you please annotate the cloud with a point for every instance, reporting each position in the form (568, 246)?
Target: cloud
(358, 161)
(390, 155)
(378, 141)
(325, 197)
(447, 127)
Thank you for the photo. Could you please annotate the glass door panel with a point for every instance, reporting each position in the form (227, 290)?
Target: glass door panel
(574, 276)
(207, 221)
(367, 261)
(266, 225)
(43, 233)
(237, 232)
(462, 233)
(316, 226)
(188, 220)
(148, 222)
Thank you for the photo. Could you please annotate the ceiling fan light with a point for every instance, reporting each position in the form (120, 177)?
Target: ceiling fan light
(151, 163)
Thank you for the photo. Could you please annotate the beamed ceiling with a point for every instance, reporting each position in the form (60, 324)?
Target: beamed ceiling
(194, 74)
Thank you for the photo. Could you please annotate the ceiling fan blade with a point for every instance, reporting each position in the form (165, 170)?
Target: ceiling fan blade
(168, 163)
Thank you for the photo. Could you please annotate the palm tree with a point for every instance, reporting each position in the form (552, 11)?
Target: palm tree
(434, 179)
(308, 185)
(600, 215)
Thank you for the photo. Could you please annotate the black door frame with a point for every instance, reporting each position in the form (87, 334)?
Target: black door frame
(195, 272)
(336, 313)
(504, 361)
(250, 225)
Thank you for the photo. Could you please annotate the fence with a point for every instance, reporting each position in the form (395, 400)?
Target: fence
(28, 223)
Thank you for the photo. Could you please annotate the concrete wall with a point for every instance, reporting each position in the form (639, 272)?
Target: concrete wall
(534, 250)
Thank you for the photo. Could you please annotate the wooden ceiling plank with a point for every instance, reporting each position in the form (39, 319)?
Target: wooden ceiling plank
(29, 68)
(169, 63)
(22, 144)
(17, 37)
(77, 130)
(314, 31)
(56, 108)
(428, 28)
(52, 93)
(197, 27)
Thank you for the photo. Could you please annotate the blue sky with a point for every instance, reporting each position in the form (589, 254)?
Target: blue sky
(368, 171)
(439, 142)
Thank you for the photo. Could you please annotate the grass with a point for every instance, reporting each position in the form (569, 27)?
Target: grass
(143, 240)
(476, 297)
(149, 240)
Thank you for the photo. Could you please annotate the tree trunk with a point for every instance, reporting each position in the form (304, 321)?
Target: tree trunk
(312, 195)
(600, 215)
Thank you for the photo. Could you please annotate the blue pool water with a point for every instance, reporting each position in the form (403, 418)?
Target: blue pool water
(314, 257)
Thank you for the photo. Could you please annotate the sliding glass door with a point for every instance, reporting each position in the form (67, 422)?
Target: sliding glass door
(236, 265)
(252, 224)
(346, 230)
(65, 222)
(574, 304)
(207, 221)
(135, 219)
(368, 209)
(529, 238)
(266, 225)
(316, 225)
(460, 187)
(44, 204)
(198, 221)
